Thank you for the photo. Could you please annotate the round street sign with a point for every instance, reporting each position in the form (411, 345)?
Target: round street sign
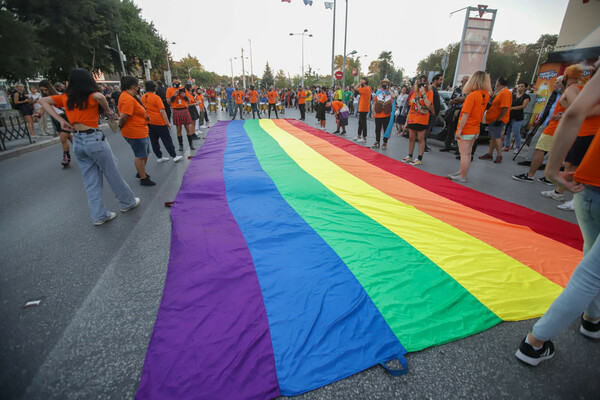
(354, 71)
(339, 75)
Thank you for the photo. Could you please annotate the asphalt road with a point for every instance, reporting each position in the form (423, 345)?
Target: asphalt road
(100, 288)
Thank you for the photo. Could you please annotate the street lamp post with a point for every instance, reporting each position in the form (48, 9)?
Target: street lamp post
(243, 71)
(231, 62)
(358, 63)
(305, 32)
(251, 71)
(333, 43)
(168, 77)
(190, 70)
(353, 52)
(345, 36)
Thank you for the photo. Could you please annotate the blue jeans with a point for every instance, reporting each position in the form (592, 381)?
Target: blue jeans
(96, 159)
(515, 128)
(230, 106)
(583, 290)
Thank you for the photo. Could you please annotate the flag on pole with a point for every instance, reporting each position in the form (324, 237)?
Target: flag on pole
(308, 2)
(328, 4)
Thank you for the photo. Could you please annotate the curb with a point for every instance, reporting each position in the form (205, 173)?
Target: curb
(4, 155)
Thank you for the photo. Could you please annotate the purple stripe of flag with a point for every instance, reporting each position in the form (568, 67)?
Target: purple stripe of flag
(212, 316)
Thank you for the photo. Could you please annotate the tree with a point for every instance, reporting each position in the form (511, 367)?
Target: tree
(281, 81)
(386, 65)
(267, 78)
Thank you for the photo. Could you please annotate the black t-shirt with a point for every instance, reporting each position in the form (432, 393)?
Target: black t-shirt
(115, 96)
(517, 115)
(436, 100)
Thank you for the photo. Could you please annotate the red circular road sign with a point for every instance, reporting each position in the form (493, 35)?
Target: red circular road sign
(354, 71)
(339, 75)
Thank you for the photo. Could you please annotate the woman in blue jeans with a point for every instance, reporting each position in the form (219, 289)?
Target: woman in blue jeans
(520, 101)
(581, 297)
(81, 102)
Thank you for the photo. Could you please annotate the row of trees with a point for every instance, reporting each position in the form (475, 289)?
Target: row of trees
(49, 38)
(507, 58)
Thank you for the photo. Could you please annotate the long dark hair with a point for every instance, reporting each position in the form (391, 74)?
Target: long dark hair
(48, 85)
(81, 84)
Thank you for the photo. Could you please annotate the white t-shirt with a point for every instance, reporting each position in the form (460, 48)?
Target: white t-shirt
(36, 106)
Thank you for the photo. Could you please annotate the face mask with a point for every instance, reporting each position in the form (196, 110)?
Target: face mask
(176, 85)
(384, 86)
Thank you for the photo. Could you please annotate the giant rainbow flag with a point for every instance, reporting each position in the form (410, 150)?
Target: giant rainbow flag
(299, 258)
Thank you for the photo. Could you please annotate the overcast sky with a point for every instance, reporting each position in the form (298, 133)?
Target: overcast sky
(215, 31)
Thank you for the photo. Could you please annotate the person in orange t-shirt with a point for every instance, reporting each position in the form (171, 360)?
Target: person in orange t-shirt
(272, 97)
(238, 98)
(581, 297)
(496, 119)
(364, 105)
(322, 98)
(133, 122)
(341, 112)
(421, 106)
(94, 155)
(254, 102)
(178, 98)
(478, 89)
(301, 95)
(158, 124)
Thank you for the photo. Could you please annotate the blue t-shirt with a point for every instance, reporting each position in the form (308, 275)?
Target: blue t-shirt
(229, 90)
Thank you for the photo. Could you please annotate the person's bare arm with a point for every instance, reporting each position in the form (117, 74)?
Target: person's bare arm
(47, 104)
(99, 97)
(584, 105)
(522, 106)
(503, 112)
(463, 122)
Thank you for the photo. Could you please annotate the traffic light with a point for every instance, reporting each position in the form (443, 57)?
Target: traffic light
(147, 64)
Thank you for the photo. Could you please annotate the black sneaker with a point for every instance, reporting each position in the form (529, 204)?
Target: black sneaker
(180, 147)
(590, 329)
(525, 163)
(444, 150)
(146, 181)
(192, 146)
(529, 355)
(545, 181)
(137, 175)
(522, 178)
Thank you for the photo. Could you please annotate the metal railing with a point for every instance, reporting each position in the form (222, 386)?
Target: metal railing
(12, 127)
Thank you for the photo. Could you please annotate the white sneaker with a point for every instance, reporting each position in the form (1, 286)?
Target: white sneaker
(177, 158)
(356, 139)
(203, 126)
(568, 206)
(137, 203)
(552, 195)
(110, 217)
(457, 178)
(407, 159)
(360, 141)
(516, 151)
(162, 159)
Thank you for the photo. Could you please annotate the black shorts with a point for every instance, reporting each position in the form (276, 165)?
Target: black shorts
(578, 150)
(417, 127)
(26, 109)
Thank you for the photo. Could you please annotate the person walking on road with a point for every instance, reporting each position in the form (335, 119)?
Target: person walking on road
(581, 297)
(238, 98)
(134, 126)
(496, 119)
(82, 102)
(477, 89)
(159, 126)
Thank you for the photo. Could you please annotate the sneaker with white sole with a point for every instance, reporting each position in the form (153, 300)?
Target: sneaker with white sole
(590, 329)
(533, 357)
(568, 206)
(177, 158)
(457, 178)
(551, 194)
(356, 139)
(407, 159)
(416, 162)
(137, 203)
(360, 141)
(545, 181)
(522, 178)
(110, 217)
(162, 159)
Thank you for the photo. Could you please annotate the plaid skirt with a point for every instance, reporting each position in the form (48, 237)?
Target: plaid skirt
(181, 116)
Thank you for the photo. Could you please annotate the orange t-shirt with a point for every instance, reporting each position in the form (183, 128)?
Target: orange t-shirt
(272, 96)
(200, 101)
(414, 115)
(474, 105)
(337, 105)
(502, 100)
(136, 126)
(153, 105)
(364, 103)
(179, 101)
(88, 117)
(551, 127)
(253, 97)
(238, 96)
(589, 126)
(323, 97)
(301, 97)
(588, 171)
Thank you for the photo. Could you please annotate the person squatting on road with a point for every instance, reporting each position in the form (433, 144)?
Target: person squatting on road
(81, 102)
(581, 297)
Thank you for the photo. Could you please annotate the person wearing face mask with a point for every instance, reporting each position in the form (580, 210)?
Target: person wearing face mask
(364, 104)
(421, 106)
(383, 111)
(179, 98)
(272, 97)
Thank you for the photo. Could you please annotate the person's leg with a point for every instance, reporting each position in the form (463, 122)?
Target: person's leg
(516, 129)
(421, 138)
(509, 131)
(140, 166)
(378, 126)
(364, 121)
(275, 108)
(302, 111)
(536, 161)
(533, 143)
(465, 147)
(189, 130)
(583, 290)
(165, 136)
(386, 121)
(412, 136)
(154, 135)
(92, 177)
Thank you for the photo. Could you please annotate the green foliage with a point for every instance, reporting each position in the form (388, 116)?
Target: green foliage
(21, 57)
(281, 80)
(267, 78)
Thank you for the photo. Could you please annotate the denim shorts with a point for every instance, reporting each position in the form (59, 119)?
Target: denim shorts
(140, 147)
(495, 131)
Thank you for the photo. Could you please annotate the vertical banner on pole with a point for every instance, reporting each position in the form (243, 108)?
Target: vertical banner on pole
(475, 43)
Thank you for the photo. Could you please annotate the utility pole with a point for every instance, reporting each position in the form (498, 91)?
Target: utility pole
(121, 55)
(251, 71)
(538, 60)
(243, 70)
(345, 36)
(333, 43)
